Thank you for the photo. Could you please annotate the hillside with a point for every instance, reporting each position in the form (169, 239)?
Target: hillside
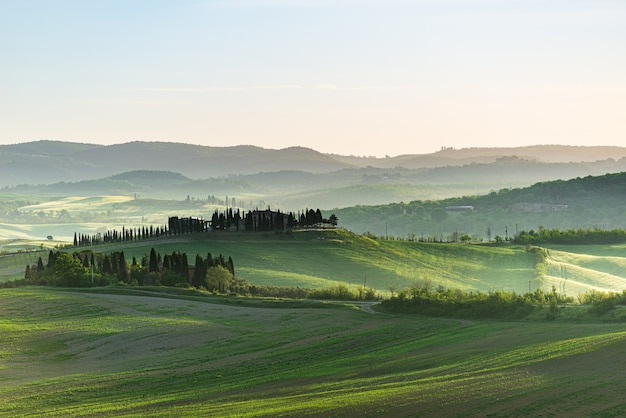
(83, 354)
(296, 189)
(588, 202)
(320, 259)
(47, 162)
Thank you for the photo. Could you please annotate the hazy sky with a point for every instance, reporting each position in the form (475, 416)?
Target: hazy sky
(369, 77)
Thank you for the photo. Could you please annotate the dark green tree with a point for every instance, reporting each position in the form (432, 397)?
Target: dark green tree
(154, 265)
(199, 273)
(122, 271)
(230, 265)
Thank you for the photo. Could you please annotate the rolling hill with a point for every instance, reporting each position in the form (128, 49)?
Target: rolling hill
(588, 202)
(47, 162)
(144, 354)
(321, 259)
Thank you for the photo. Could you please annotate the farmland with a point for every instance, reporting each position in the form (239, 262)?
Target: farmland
(316, 259)
(122, 351)
(67, 353)
(323, 258)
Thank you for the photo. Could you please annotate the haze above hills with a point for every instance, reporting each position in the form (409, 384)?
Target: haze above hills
(47, 162)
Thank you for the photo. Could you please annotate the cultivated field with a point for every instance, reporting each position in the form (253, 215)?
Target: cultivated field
(575, 269)
(323, 258)
(84, 354)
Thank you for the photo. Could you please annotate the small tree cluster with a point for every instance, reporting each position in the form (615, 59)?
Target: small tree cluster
(423, 299)
(214, 274)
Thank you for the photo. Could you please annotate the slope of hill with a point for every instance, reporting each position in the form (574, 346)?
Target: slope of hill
(46, 162)
(320, 259)
(295, 189)
(79, 354)
(464, 156)
(589, 202)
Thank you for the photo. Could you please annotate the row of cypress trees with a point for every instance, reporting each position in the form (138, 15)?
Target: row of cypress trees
(266, 220)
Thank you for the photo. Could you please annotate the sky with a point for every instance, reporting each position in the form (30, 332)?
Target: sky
(367, 77)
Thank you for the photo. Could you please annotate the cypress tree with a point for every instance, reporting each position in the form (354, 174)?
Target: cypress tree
(122, 274)
(106, 265)
(184, 267)
(199, 273)
(51, 259)
(230, 266)
(167, 264)
(154, 265)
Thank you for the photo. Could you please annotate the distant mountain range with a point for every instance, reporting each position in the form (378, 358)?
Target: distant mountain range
(47, 162)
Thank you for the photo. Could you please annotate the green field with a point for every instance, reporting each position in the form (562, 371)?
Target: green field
(319, 259)
(575, 269)
(81, 354)
(323, 258)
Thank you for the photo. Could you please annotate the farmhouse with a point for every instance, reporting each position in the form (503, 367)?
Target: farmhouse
(268, 218)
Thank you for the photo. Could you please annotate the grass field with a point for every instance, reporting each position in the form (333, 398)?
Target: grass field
(317, 259)
(321, 261)
(577, 269)
(82, 354)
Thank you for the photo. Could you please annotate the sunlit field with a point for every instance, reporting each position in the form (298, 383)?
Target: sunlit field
(80, 354)
(581, 268)
(318, 259)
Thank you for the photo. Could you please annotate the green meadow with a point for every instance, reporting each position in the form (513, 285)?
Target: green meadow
(323, 258)
(575, 269)
(65, 353)
(124, 351)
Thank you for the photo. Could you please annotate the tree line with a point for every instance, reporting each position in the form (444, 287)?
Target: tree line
(266, 220)
(212, 274)
(424, 299)
(571, 236)
(125, 235)
(88, 268)
(269, 220)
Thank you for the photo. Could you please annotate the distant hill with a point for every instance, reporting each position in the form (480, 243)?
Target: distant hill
(463, 156)
(583, 202)
(47, 162)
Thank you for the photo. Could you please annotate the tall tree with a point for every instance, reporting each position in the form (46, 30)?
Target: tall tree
(199, 273)
(154, 265)
(122, 271)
